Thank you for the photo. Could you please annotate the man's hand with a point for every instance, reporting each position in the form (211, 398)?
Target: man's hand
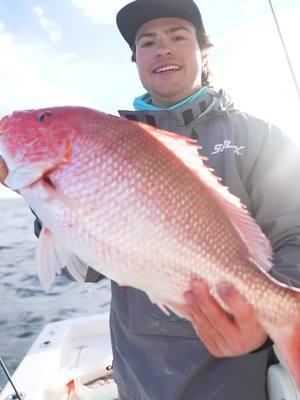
(3, 170)
(222, 333)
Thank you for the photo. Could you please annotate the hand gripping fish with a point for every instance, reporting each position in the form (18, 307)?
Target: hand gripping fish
(138, 205)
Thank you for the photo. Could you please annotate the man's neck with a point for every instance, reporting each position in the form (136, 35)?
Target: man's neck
(145, 102)
(165, 103)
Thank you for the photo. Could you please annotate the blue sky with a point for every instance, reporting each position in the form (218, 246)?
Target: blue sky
(69, 52)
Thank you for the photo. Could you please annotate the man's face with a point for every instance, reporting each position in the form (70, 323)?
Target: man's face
(169, 60)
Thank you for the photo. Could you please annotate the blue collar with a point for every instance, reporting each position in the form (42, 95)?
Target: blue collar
(143, 103)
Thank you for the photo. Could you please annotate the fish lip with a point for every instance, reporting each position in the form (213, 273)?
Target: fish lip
(164, 65)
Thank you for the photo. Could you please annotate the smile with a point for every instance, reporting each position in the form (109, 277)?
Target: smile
(166, 68)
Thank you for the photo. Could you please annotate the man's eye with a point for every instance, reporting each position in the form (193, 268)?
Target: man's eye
(147, 44)
(178, 38)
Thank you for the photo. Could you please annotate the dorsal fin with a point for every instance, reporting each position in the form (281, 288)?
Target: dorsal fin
(185, 149)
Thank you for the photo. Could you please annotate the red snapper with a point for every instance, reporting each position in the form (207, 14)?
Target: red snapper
(138, 205)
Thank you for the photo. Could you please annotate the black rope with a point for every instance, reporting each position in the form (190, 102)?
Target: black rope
(10, 380)
(285, 50)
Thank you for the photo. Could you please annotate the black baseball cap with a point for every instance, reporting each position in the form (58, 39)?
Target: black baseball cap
(131, 17)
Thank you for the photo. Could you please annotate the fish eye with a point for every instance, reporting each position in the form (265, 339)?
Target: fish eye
(42, 116)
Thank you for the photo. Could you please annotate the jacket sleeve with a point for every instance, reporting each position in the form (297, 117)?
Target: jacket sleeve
(91, 274)
(274, 189)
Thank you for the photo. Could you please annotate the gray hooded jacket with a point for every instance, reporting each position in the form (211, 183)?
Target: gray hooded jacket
(157, 357)
(160, 358)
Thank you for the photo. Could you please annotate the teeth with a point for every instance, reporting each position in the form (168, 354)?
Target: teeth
(168, 68)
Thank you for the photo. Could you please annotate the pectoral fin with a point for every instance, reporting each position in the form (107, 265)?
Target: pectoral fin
(52, 257)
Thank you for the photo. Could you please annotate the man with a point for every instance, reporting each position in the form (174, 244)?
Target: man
(220, 356)
(159, 357)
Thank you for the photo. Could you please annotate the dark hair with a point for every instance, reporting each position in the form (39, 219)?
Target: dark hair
(204, 44)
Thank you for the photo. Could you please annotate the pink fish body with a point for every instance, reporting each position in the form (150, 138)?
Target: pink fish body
(138, 205)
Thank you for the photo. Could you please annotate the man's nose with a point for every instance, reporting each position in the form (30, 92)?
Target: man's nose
(163, 48)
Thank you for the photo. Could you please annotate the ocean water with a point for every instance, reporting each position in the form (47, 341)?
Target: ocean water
(25, 307)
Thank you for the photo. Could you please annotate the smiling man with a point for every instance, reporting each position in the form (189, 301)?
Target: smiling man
(220, 356)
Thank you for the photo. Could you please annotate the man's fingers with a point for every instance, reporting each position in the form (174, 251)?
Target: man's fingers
(209, 342)
(3, 170)
(252, 335)
(240, 309)
(202, 327)
(224, 334)
(211, 308)
(208, 304)
(206, 314)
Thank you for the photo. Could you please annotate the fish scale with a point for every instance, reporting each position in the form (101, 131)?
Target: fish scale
(139, 206)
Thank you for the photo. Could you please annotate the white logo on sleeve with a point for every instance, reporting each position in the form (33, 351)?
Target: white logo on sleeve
(219, 148)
